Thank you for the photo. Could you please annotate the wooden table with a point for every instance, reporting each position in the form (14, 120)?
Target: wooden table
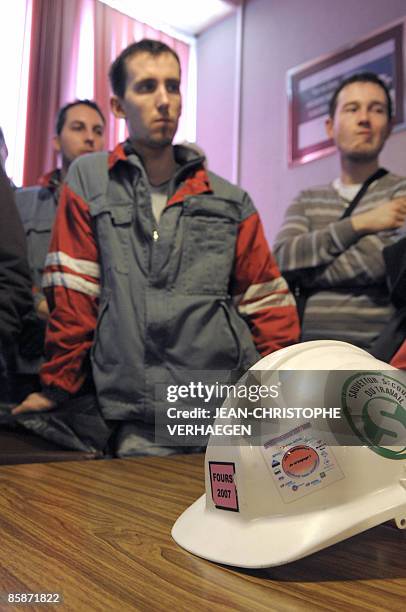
(99, 533)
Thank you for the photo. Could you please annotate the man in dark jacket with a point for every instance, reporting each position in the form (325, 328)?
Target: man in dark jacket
(15, 281)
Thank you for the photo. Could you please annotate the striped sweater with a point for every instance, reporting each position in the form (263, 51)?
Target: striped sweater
(344, 273)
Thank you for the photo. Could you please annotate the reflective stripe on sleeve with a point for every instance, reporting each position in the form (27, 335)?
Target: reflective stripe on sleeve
(269, 301)
(70, 281)
(260, 290)
(82, 266)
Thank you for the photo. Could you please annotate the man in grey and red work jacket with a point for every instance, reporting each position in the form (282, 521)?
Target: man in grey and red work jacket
(79, 130)
(156, 265)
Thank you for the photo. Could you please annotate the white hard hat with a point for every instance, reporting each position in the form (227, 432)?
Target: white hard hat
(267, 505)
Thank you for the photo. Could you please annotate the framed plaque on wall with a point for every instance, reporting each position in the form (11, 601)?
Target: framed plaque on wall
(311, 85)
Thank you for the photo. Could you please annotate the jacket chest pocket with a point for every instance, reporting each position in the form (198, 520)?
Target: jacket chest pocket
(208, 253)
(113, 230)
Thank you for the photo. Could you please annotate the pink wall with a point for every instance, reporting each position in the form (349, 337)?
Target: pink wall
(277, 35)
(216, 95)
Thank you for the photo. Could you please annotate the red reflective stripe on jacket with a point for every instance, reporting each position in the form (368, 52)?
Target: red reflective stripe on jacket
(71, 325)
(73, 232)
(254, 261)
(273, 327)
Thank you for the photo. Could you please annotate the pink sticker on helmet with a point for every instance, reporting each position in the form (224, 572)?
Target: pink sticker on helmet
(223, 487)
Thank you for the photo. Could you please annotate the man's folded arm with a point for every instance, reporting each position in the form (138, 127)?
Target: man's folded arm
(360, 265)
(297, 248)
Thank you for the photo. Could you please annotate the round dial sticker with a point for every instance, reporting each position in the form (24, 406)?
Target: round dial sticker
(300, 461)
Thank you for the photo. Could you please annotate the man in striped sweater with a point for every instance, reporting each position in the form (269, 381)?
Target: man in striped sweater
(156, 267)
(336, 262)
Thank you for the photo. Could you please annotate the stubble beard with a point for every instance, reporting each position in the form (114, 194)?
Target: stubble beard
(162, 143)
(362, 157)
(162, 140)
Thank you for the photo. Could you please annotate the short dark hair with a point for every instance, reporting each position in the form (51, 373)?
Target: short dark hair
(118, 71)
(61, 117)
(362, 77)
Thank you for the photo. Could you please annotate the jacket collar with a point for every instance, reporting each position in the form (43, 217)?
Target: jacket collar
(190, 179)
(51, 180)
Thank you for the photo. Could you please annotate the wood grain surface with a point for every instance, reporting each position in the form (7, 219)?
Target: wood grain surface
(99, 533)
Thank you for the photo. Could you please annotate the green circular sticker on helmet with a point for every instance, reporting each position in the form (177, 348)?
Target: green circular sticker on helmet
(374, 405)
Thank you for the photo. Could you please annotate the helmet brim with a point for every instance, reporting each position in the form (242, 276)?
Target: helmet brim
(227, 538)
